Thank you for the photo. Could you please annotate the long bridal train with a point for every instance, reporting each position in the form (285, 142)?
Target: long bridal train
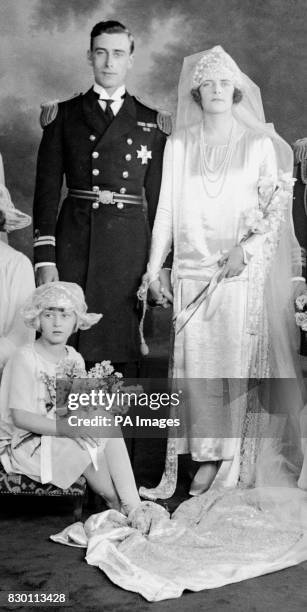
(219, 538)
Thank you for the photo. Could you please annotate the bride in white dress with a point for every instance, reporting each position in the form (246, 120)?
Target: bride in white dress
(217, 165)
(253, 519)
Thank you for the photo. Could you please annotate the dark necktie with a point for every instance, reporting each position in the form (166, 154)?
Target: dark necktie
(108, 113)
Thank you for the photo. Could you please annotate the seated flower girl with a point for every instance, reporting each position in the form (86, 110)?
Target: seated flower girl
(28, 435)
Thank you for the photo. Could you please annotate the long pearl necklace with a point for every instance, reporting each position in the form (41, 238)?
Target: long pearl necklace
(215, 176)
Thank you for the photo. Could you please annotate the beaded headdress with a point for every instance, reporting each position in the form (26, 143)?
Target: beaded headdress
(67, 296)
(14, 218)
(216, 64)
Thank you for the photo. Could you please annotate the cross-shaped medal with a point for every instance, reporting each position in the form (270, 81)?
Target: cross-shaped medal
(144, 154)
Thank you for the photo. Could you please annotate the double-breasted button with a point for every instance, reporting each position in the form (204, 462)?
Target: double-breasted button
(122, 190)
(128, 157)
(95, 172)
(92, 137)
(129, 141)
(95, 205)
(125, 174)
(95, 154)
(120, 205)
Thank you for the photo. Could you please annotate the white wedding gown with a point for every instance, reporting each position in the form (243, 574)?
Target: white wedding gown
(230, 335)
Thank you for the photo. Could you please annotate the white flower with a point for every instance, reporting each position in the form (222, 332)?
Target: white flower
(301, 301)
(101, 370)
(255, 221)
(265, 182)
(301, 320)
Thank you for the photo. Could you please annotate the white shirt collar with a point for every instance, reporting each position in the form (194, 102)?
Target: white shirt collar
(117, 95)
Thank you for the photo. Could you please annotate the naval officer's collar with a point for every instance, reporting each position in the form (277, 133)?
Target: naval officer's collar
(118, 94)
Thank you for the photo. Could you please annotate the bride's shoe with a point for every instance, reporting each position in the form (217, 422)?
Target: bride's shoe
(204, 477)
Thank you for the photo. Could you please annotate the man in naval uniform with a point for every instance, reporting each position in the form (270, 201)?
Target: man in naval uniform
(109, 146)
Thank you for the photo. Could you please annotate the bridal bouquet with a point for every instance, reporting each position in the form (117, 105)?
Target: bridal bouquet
(273, 202)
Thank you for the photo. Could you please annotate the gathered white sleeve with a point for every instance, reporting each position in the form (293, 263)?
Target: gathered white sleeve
(268, 168)
(162, 234)
(21, 285)
(77, 358)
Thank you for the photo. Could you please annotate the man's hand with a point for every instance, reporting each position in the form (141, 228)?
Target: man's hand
(234, 263)
(157, 295)
(161, 289)
(46, 274)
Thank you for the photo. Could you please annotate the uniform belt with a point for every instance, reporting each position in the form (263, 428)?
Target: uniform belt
(106, 197)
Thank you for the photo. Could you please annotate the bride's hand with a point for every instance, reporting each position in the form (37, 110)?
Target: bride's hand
(234, 263)
(165, 284)
(157, 294)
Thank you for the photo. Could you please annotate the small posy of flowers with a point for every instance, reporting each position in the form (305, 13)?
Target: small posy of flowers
(103, 370)
(102, 376)
(273, 201)
(301, 314)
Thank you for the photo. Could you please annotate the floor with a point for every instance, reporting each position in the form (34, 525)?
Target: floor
(29, 561)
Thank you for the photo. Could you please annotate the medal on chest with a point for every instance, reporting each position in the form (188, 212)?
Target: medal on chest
(144, 154)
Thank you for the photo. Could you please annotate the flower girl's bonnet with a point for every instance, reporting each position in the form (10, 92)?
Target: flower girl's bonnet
(66, 296)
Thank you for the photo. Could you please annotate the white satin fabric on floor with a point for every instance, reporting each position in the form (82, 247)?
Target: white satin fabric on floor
(221, 537)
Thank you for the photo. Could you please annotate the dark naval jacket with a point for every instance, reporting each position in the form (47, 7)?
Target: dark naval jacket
(103, 247)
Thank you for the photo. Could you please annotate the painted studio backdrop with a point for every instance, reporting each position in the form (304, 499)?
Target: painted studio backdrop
(43, 47)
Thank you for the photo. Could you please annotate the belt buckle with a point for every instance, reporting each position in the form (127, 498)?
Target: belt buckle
(105, 197)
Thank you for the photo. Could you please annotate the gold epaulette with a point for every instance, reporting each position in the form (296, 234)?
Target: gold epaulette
(49, 111)
(300, 150)
(164, 118)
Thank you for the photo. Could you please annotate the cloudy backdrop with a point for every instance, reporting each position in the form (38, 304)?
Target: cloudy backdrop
(43, 47)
